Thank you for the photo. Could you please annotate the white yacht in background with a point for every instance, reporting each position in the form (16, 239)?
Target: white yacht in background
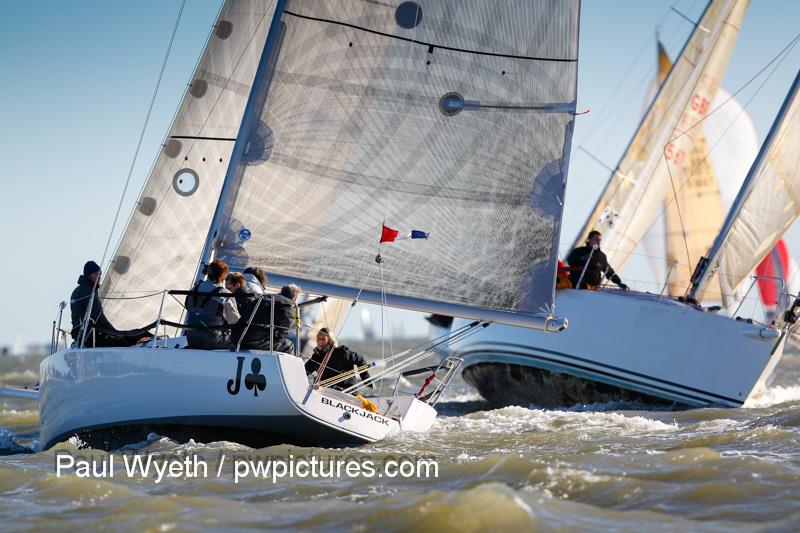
(654, 348)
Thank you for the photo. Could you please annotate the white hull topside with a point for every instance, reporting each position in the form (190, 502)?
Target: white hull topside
(631, 341)
(257, 398)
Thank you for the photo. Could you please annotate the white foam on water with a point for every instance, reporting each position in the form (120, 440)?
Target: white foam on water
(773, 396)
(515, 419)
(150, 439)
(629, 424)
(563, 480)
(77, 442)
(612, 406)
(461, 397)
(7, 440)
(25, 375)
(17, 412)
(719, 424)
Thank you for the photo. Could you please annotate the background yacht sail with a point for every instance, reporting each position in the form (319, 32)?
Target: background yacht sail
(159, 248)
(725, 147)
(767, 205)
(452, 118)
(659, 153)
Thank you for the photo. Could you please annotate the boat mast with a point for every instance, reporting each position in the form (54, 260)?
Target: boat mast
(250, 114)
(709, 265)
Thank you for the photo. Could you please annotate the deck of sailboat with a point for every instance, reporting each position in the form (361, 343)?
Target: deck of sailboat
(644, 296)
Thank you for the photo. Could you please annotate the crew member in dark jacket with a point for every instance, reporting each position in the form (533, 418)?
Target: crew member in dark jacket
(342, 360)
(100, 331)
(253, 328)
(597, 265)
(286, 314)
(209, 312)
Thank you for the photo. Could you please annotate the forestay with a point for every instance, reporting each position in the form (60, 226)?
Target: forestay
(453, 118)
(659, 156)
(767, 204)
(161, 244)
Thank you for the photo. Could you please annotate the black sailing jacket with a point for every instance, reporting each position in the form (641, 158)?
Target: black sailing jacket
(342, 360)
(79, 302)
(598, 266)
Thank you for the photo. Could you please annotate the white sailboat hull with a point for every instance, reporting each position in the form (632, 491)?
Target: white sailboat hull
(108, 396)
(623, 346)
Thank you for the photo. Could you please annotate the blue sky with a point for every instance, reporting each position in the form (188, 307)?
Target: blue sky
(78, 76)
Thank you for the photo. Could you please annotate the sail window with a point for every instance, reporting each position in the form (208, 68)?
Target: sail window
(224, 29)
(186, 182)
(121, 264)
(147, 206)
(408, 15)
(199, 88)
(173, 148)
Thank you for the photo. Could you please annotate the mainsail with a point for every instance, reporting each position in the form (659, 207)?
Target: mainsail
(767, 204)
(660, 155)
(450, 117)
(160, 246)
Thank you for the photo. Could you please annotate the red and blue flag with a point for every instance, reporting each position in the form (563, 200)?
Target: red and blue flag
(391, 235)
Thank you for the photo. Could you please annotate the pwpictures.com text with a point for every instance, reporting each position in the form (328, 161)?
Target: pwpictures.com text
(159, 467)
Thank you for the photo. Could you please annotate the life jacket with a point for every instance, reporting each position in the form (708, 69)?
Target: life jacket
(562, 276)
(205, 309)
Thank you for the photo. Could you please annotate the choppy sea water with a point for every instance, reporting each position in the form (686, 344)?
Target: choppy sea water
(595, 467)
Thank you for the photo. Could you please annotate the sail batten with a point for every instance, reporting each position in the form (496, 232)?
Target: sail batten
(457, 121)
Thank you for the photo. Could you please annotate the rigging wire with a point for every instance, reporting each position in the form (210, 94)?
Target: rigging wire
(705, 57)
(606, 108)
(677, 204)
(213, 107)
(172, 120)
(353, 304)
(779, 57)
(449, 339)
(384, 300)
(777, 60)
(144, 129)
(88, 315)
